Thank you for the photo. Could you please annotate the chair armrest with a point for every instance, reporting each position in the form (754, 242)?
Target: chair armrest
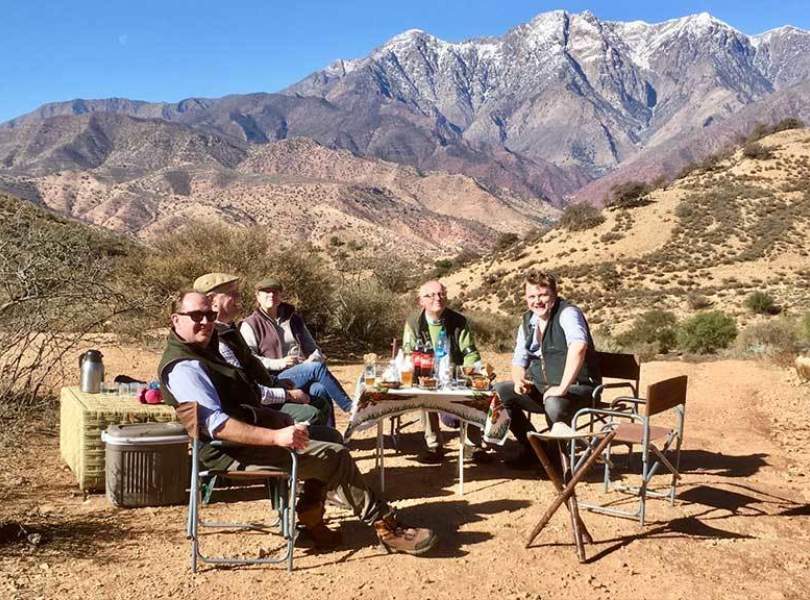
(604, 413)
(627, 399)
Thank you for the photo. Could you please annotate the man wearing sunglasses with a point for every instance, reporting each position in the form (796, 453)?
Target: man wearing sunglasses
(192, 370)
(424, 326)
(222, 290)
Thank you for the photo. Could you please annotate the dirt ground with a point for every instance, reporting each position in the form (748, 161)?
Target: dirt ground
(739, 527)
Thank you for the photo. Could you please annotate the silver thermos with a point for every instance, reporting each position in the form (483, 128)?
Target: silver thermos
(92, 371)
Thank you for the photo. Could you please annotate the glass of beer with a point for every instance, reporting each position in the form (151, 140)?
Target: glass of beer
(406, 377)
(370, 374)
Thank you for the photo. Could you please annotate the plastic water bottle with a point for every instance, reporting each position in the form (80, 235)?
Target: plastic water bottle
(442, 359)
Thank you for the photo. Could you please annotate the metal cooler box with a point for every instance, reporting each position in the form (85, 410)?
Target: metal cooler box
(147, 464)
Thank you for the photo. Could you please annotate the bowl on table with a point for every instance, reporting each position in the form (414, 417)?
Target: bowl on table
(428, 383)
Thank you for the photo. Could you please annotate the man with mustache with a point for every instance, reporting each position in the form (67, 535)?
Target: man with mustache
(554, 367)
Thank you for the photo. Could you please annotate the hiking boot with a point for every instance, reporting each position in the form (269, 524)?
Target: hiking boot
(431, 456)
(312, 524)
(478, 455)
(396, 537)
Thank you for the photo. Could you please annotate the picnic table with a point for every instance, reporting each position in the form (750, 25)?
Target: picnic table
(372, 405)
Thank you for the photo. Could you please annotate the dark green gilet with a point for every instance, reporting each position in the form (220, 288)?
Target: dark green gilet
(554, 349)
(454, 324)
(233, 387)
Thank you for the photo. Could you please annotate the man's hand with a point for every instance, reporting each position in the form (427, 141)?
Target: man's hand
(295, 437)
(297, 396)
(523, 385)
(555, 390)
(291, 361)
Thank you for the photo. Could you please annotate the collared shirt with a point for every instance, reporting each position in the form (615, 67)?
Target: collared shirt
(573, 325)
(269, 396)
(188, 382)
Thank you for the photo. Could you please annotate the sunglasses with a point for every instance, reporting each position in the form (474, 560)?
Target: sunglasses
(198, 315)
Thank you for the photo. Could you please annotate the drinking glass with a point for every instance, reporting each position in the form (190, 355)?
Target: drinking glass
(370, 374)
(459, 378)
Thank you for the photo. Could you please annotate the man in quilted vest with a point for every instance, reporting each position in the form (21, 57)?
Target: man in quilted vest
(554, 367)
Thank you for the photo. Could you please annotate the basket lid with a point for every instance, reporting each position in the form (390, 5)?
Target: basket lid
(145, 433)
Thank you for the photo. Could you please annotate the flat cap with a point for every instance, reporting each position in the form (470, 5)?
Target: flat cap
(205, 284)
(269, 283)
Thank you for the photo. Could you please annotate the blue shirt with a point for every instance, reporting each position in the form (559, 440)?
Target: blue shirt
(188, 382)
(573, 325)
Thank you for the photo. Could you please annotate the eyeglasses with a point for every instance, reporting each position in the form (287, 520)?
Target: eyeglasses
(198, 315)
(442, 295)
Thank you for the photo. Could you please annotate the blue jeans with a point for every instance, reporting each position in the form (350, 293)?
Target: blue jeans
(316, 380)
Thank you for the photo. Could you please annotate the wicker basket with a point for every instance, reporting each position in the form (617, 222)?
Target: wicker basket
(82, 419)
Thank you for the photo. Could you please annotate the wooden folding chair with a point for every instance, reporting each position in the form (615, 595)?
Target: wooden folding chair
(633, 427)
(281, 488)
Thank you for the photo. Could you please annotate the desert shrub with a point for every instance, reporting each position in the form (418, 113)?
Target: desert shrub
(505, 240)
(756, 151)
(604, 341)
(654, 328)
(442, 267)
(579, 217)
(57, 283)
(175, 260)
(804, 328)
(697, 301)
(777, 339)
(707, 332)
(367, 315)
(629, 194)
(788, 123)
(760, 303)
(492, 331)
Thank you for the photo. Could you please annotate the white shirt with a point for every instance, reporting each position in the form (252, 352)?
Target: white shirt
(573, 325)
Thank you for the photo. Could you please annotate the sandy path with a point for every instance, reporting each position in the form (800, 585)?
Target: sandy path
(738, 530)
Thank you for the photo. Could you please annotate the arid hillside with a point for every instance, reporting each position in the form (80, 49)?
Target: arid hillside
(303, 191)
(709, 239)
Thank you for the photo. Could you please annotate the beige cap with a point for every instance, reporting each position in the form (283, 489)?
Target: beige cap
(205, 284)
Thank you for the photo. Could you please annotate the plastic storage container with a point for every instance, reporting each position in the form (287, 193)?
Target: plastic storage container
(147, 464)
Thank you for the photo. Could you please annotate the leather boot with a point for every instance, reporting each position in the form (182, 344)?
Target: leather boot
(311, 520)
(310, 509)
(396, 537)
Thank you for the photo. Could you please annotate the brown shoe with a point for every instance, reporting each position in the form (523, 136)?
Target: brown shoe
(311, 520)
(396, 537)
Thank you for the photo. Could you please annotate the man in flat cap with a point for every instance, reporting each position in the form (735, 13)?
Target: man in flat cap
(222, 290)
(280, 339)
(191, 370)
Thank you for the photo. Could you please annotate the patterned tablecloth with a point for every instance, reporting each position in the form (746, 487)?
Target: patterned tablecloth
(483, 409)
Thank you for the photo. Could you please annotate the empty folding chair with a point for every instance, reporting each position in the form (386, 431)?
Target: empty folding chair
(634, 428)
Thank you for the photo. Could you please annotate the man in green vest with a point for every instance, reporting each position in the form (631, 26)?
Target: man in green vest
(425, 325)
(554, 367)
(192, 370)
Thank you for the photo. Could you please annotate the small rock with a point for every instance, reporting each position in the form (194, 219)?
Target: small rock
(35, 539)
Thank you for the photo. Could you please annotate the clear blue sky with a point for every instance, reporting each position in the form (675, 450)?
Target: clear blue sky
(175, 49)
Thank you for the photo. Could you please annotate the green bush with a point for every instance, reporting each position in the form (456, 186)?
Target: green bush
(756, 151)
(579, 217)
(776, 339)
(760, 303)
(505, 240)
(366, 314)
(630, 194)
(655, 329)
(707, 332)
(494, 332)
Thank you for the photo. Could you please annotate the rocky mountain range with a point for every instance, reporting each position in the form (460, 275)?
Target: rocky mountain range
(543, 112)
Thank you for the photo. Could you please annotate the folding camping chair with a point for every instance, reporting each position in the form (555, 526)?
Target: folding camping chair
(281, 488)
(633, 427)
